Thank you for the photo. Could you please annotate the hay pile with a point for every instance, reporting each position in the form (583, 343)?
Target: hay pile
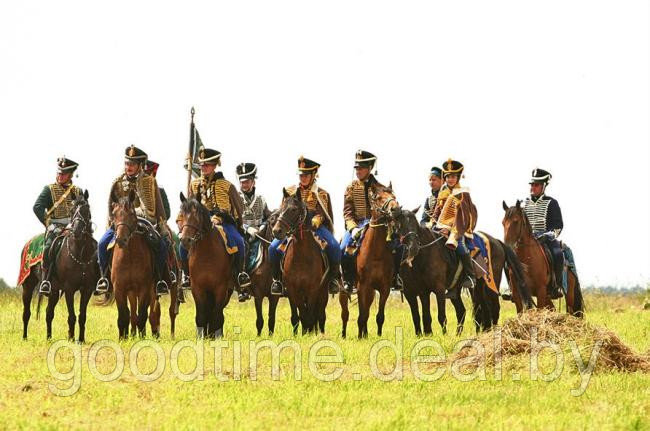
(559, 328)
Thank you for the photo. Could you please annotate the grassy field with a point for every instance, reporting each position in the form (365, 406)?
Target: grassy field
(246, 397)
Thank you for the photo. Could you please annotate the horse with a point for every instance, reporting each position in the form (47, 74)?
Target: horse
(518, 233)
(75, 269)
(429, 267)
(374, 263)
(132, 273)
(261, 278)
(304, 269)
(210, 267)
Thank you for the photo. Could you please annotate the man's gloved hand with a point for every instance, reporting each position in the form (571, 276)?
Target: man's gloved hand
(252, 231)
(355, 233)
(316, 221)
(139, 212)
(547, 236)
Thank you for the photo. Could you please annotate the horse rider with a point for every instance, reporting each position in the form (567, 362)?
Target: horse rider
(219, 195)
(435, 182)
(545, 218)
(151, 168)
(319, 215)
(150, 211)
(357, 214)
(455, 217)
(256, 212)
(53, 208)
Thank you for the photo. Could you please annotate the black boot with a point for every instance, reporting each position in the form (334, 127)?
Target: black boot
(469, 279)
(243, 280)
(335, 280)
(276, 287)
(558, 275)
(349, 267)
(45, 287)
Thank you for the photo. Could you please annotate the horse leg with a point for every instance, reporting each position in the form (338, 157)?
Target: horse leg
(83, 307)
(273, 305)
(200, 318)
(364, 299)
(154, 317)
(28, 291)
(322, 316)
(214, 327)
(173, 309)
(52, 300)
(295, 319)
(72, 318)
(305, 318)
(345, 312)
(415, 313)
(143, 313)
(383, 297)
(133, 303)
(218, 321)
(123, 312)
(425, 299)
(460, 314)
(442, 311)
(259, 321)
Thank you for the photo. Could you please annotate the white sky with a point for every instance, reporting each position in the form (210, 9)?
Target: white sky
(503, 86)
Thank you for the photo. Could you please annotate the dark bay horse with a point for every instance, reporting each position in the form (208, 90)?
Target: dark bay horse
(132, 273)
(75, 269)
(539, 274)
(261, 279)
(374, 262)
(429, 267)
(303, 267)
(210, 267)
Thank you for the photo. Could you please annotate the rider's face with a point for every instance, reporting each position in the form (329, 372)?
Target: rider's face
(451, 180)
(62, 178)
(131, 168)
(362, 172)
(207, 169)
(536, 189)
(435, 182)
(305, 179)
(246, 184)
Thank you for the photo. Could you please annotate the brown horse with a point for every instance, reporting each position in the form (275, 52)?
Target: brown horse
(132, 273)
(374, 262)
(539, 274)
(210, 267)
(75, 269)
(261, 278)
(430, 267)
(304, 269)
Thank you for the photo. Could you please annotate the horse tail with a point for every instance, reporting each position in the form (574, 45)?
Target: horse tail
(514, 264)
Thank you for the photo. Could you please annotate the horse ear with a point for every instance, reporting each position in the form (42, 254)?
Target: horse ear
(86, 194)
(132, 196)
(183, 198)
(415, 211)
(505, 206)
(284, 192)
(298, 195)
(518, 204)
(390, 185)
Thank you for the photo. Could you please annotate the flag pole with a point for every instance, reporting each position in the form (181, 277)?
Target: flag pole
(190, 153)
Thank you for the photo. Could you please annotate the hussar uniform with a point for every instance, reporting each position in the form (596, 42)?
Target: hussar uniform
(149, 209)
(221, 198)
(255, 213)
(545, 218)
(430, 202)
(357, 214)
(320, 217)
(456, 214)
(53, 208)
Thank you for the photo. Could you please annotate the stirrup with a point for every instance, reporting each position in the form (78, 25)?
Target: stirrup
(277, 288)
(243, 280)
(334, 287)
(349, 288)
(162, 288)
(398, 284)
(469, 283)
(172, 277)
(45, 288)
(180, 297)
(185, 282)
(243, 296)
(102, 286)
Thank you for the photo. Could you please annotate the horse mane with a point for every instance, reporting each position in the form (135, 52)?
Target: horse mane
(514, 209)
(192, 204)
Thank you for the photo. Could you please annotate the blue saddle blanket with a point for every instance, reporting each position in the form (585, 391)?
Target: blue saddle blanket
(477, 242)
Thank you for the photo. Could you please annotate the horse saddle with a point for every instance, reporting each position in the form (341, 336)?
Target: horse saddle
(481, 255)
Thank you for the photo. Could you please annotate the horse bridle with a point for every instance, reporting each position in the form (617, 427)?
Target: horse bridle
(293, 225)
(521, 228)
(78, 217)
(198, 232)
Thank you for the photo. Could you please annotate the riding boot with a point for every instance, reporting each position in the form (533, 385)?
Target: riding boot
(162, 287)
(397, 284)
(335, 279)
(277, 287)
(102, 283)
(46, 287)
(558, 275)
(185, 277)
(243, 280)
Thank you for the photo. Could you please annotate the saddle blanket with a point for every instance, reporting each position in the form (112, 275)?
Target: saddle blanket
(31, 256)
(483, 263)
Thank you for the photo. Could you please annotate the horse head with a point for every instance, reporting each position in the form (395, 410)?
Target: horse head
(292, 214)
(382, 201)
(406, 226)
(195, 221)
(81, 218)
(515, 223)
(124, 219)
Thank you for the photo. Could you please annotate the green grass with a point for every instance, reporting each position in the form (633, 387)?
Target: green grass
(611, 401)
